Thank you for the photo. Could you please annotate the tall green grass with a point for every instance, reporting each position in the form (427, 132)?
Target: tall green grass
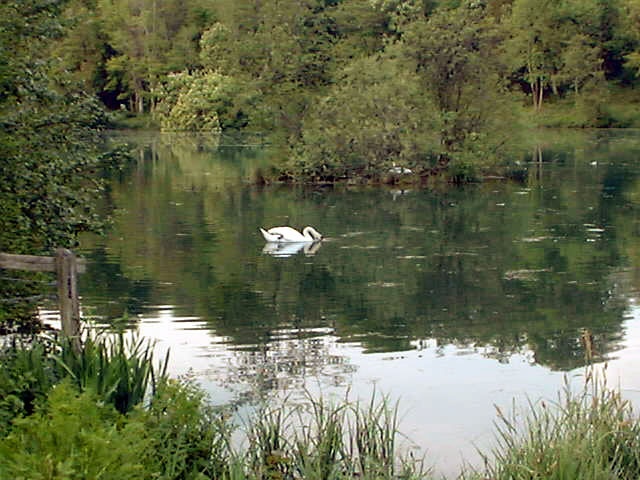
(319, 446)
(327, 441)
(119, 368)
(591, 434)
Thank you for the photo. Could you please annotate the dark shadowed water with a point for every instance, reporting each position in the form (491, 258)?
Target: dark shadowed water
(450, 300)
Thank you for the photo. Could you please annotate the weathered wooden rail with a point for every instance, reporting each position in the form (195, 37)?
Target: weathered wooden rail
(67, 267)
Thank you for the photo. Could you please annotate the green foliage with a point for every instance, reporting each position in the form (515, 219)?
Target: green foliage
(588, 110)
(117, 368)
(204, 101)
(321, 446)
(373, 117)
(48, 139)
(47, 179)
(271, 456)
(186, 437)
(77, 435)
(50, 145)
(373, 435)
(215, 48)
(282, 49)
(451, 51)
(558, 46)
(434, 97)
(26, 376)
(64, 433)
(66, 423)
(145, 41)
(73, 436)
(329, 442)
(279, 66)
(632, 27)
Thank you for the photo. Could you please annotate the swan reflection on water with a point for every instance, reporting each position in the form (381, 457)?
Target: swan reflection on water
(291, 248)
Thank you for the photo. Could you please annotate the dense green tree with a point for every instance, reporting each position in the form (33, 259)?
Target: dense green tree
(452, 52)
(632, 11)
(434, 94)
(146, 40)
(532, 44)
(47, 135)
(137, 35)
(201, 101)
(283, 50)
(374, 116)
(84, 50)
(361, 29)
(555, 46)
(49, 146)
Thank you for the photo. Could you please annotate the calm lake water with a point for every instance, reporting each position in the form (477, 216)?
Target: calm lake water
(450, 301)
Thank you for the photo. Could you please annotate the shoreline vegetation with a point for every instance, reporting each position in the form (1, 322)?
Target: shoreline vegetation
(110, 411)
(346, 89)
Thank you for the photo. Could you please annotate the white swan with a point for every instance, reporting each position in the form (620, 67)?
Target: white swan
(288, 234)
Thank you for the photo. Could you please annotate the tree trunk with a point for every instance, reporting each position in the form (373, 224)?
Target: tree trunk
(537, 93)
(140, 106)
(540, 95)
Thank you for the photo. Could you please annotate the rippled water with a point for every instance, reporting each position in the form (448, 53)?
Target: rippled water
(450, 300)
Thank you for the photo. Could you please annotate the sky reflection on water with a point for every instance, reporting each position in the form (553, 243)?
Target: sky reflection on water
(447, 394)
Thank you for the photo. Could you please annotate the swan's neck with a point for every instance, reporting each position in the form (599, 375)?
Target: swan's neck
(311, 233)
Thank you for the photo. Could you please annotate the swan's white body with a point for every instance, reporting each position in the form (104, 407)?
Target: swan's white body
(288, 234)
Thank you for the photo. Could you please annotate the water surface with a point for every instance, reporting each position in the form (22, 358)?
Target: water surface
(450, 300)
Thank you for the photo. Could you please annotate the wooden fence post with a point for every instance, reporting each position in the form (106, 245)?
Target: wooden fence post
(67, 273)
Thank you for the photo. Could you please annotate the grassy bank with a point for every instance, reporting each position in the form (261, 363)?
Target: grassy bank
(588, 434)
(110, 412)
(619, 109)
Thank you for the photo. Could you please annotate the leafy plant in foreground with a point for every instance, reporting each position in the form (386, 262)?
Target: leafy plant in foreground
(188, 438)
(117, 368)
(74, 436)
(269, 445)
(25, 378)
